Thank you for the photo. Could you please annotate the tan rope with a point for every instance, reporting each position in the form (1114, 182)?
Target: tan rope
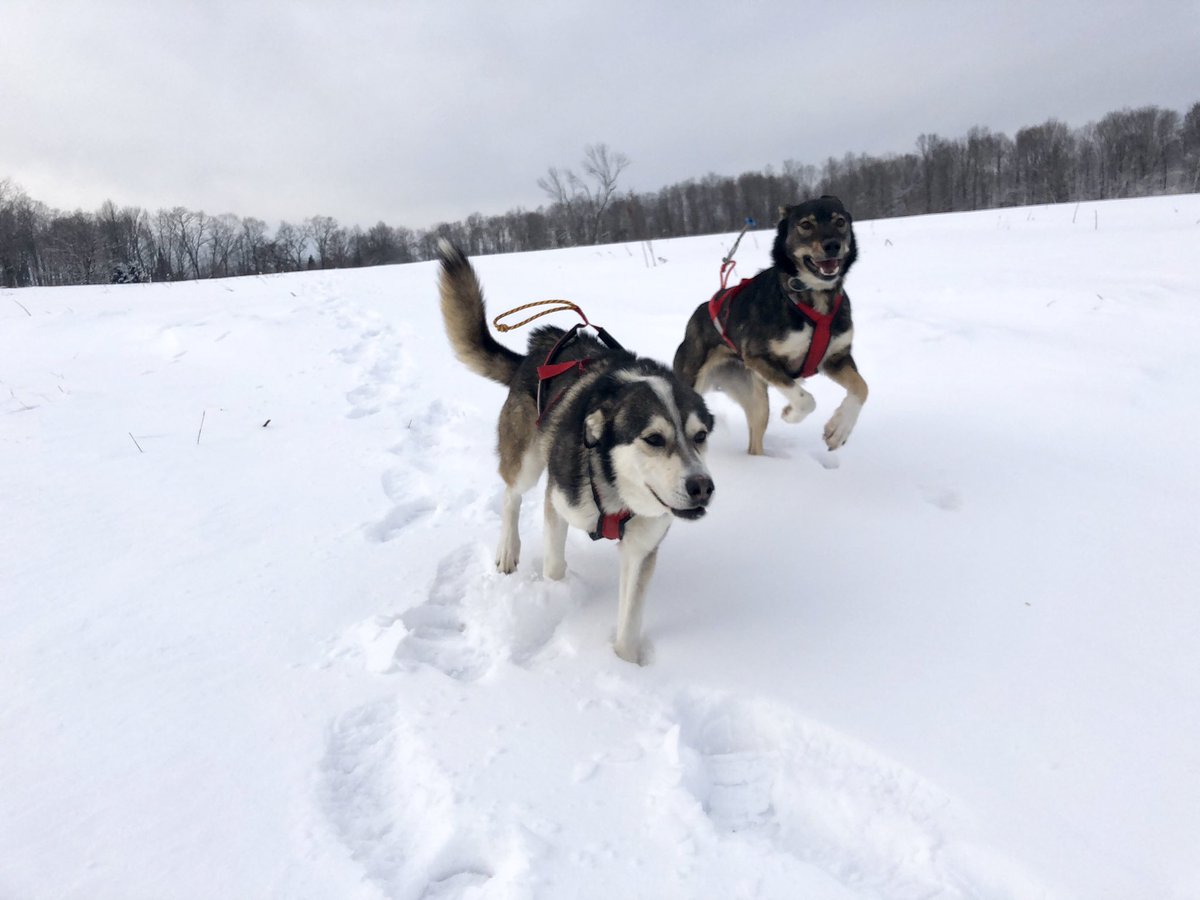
(560, 306)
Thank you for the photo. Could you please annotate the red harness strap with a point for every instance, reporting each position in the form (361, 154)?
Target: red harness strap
(609, 526)
(718, 310)
(722, 301)
(819, 344)
(549, 370)
(545, 373)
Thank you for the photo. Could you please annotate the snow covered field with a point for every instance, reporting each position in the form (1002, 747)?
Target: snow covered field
(254, 646)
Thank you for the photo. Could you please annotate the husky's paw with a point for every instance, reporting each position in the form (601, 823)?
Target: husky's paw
(554, 569)
(838, 428)
(507, 557)
(628, 651)
(802, 404)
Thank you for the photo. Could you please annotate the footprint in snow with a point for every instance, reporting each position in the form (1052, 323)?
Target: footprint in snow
(411, 500)
(438, 633)
(393, 807)
(944, 498)
(471, 619)
(364, 401)
(376, 353)
(764, 776)
(730, 764)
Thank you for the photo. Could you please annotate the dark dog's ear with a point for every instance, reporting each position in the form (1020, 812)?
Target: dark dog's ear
(831, 197)
(779, 251)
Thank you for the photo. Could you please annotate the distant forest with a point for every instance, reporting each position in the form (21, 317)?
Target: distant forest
(1130, 153)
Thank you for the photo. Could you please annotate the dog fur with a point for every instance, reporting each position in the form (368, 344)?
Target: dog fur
(621, 433)
(813, 252)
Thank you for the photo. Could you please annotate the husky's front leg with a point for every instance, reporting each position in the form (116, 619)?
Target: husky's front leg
(508, 551)
(554, 564)
(639, 553)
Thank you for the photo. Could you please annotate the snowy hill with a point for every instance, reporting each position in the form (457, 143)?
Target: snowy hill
(254, 645)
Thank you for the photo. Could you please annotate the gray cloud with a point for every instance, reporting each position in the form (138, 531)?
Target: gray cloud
(418, 112)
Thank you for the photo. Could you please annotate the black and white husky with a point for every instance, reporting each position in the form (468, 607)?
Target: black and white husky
(622, 440)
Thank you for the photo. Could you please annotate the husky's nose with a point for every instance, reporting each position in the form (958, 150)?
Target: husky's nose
(699, 489)
(831, 247)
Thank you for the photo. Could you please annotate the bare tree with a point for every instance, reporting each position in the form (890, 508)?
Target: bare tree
(291, 246)
(254, 248)
(224, 236)
(1189, 133)
(324, 232)
(1131, 152)
(583, 200)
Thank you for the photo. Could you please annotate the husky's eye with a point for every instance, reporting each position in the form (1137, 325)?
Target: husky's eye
(655, 440)
(700, 437)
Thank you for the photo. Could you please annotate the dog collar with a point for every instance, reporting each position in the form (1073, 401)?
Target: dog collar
(609, 526)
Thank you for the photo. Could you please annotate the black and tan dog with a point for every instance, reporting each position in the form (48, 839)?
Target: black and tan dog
(783, 325)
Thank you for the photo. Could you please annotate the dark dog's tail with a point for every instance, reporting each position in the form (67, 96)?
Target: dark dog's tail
(466, 324)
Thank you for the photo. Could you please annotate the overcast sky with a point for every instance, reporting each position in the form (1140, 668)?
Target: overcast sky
(420, 112)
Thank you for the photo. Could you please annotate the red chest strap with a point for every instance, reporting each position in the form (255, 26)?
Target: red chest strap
(819, 345)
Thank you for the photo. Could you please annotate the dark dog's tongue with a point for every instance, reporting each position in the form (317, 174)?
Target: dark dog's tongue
(829, 266)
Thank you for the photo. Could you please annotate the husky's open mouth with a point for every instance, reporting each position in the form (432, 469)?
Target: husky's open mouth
(824, 268)
(694, 512)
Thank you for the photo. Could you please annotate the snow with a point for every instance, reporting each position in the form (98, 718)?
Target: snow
(254, 645)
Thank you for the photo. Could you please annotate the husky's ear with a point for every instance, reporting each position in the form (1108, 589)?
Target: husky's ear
(593, 426)
(604, 398)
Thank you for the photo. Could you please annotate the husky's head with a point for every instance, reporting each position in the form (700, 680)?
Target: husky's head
(815, 242)
(651, 431)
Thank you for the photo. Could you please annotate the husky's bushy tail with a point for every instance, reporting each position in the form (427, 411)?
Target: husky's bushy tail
(466, 324)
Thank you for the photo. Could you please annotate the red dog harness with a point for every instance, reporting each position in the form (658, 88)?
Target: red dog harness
(722, 301)
(609, 526)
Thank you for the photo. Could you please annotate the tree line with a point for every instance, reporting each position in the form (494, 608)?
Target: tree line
(1128, 153)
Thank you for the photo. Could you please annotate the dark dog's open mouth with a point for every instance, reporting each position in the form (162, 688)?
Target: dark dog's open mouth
(825, 268)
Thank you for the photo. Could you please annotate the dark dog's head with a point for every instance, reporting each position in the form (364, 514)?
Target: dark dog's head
(815, 242)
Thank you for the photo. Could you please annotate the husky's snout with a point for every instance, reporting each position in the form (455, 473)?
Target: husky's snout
(699, 489)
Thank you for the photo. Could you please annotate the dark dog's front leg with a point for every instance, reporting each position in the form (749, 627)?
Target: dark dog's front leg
(842, 370)
(799, 401)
